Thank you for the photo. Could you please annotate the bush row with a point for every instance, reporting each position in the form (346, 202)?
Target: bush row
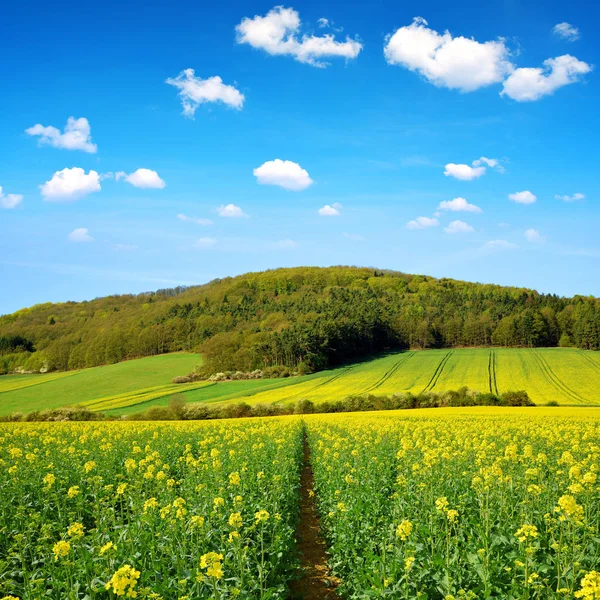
(178, 409)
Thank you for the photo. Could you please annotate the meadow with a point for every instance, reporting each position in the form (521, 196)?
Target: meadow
(567, 376)
(431, 504)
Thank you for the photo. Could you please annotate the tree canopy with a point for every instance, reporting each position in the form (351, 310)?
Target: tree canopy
(306, 317)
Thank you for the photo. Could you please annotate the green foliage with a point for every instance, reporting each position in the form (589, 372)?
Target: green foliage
(305, 318)
(178, 409)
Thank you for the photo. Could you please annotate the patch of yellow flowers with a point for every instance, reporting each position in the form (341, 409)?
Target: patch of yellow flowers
(440, 505)
(125, 509)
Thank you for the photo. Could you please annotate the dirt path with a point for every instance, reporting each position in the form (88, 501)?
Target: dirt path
(314, 582)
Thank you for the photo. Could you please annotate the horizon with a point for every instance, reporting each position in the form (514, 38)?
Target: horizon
(181, 143)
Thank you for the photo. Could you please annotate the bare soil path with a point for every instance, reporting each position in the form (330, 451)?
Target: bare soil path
(315, 582)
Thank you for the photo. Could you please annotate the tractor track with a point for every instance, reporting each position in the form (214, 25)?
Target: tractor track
(555, 381)
(438, 372)
(493, 372)
(389, 373)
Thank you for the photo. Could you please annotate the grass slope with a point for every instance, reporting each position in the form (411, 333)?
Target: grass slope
(564, 375)
(93, 384)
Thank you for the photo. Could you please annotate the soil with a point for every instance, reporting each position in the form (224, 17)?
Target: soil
(314, 580)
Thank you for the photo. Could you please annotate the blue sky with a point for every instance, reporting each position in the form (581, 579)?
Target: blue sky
(373, 119)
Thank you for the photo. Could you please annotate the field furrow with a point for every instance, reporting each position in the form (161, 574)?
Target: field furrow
(556, 381)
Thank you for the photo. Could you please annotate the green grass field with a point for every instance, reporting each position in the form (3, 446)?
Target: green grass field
(564, 375)
(124, 379)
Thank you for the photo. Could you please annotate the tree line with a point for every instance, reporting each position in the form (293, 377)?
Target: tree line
(305, 318)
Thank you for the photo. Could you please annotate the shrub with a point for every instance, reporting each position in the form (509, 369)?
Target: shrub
(518, 398)
(177, 405)
(304, 407)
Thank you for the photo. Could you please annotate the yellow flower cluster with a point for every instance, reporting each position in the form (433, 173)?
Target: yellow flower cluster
(212, 562)
(590, 587)
(124, 581)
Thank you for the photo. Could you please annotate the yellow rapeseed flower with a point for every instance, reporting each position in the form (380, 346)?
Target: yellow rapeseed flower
(123, 582)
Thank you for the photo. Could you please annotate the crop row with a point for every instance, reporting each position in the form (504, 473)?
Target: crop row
(141, 396)
(148, 511)
(459, 507)
(434, 505)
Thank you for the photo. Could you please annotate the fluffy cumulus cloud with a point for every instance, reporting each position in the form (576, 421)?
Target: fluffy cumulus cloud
(278, 33)
(458, 205)
(422, 223)
(331, 210)
(10, 200)
(529, 84)
(69, 185)
(498, 245)
(453, 62)
(197, 220)
(194, 91)
(80, 235)
(566, 31)
(76, 136)
(458, 227)
(284, 173)
(534, 236)
(142, 178)
(573, 198)
(525, 197)
(231, 211)
(463, 172)
(473, 171)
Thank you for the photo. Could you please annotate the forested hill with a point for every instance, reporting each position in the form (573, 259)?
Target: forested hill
(304, 317)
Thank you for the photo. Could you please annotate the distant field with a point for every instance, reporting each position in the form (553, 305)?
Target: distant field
(124, 379)
(564, 375)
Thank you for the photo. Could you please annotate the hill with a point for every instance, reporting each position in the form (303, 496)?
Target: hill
(128, 382)
(307, 319)
(564, 375)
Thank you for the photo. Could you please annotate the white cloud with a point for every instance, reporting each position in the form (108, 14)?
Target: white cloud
(76, 136)
(463, 172)
(231, 211)
(323, 22)
(9, 200)
(277, 33)
(529, 84)
(205, 242)
(452, 62)
(566, 31)
(195, 91)
(458, 227)
(573, 198)
(284, 173)
(197, 220)
(422, 223)
(70, 184)
(478, 168)
(142, 178)
(494, 245)
(332, 210)
(533, 235)
(525, 197)
(79, 235)
(493, 163)
(458, 205)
